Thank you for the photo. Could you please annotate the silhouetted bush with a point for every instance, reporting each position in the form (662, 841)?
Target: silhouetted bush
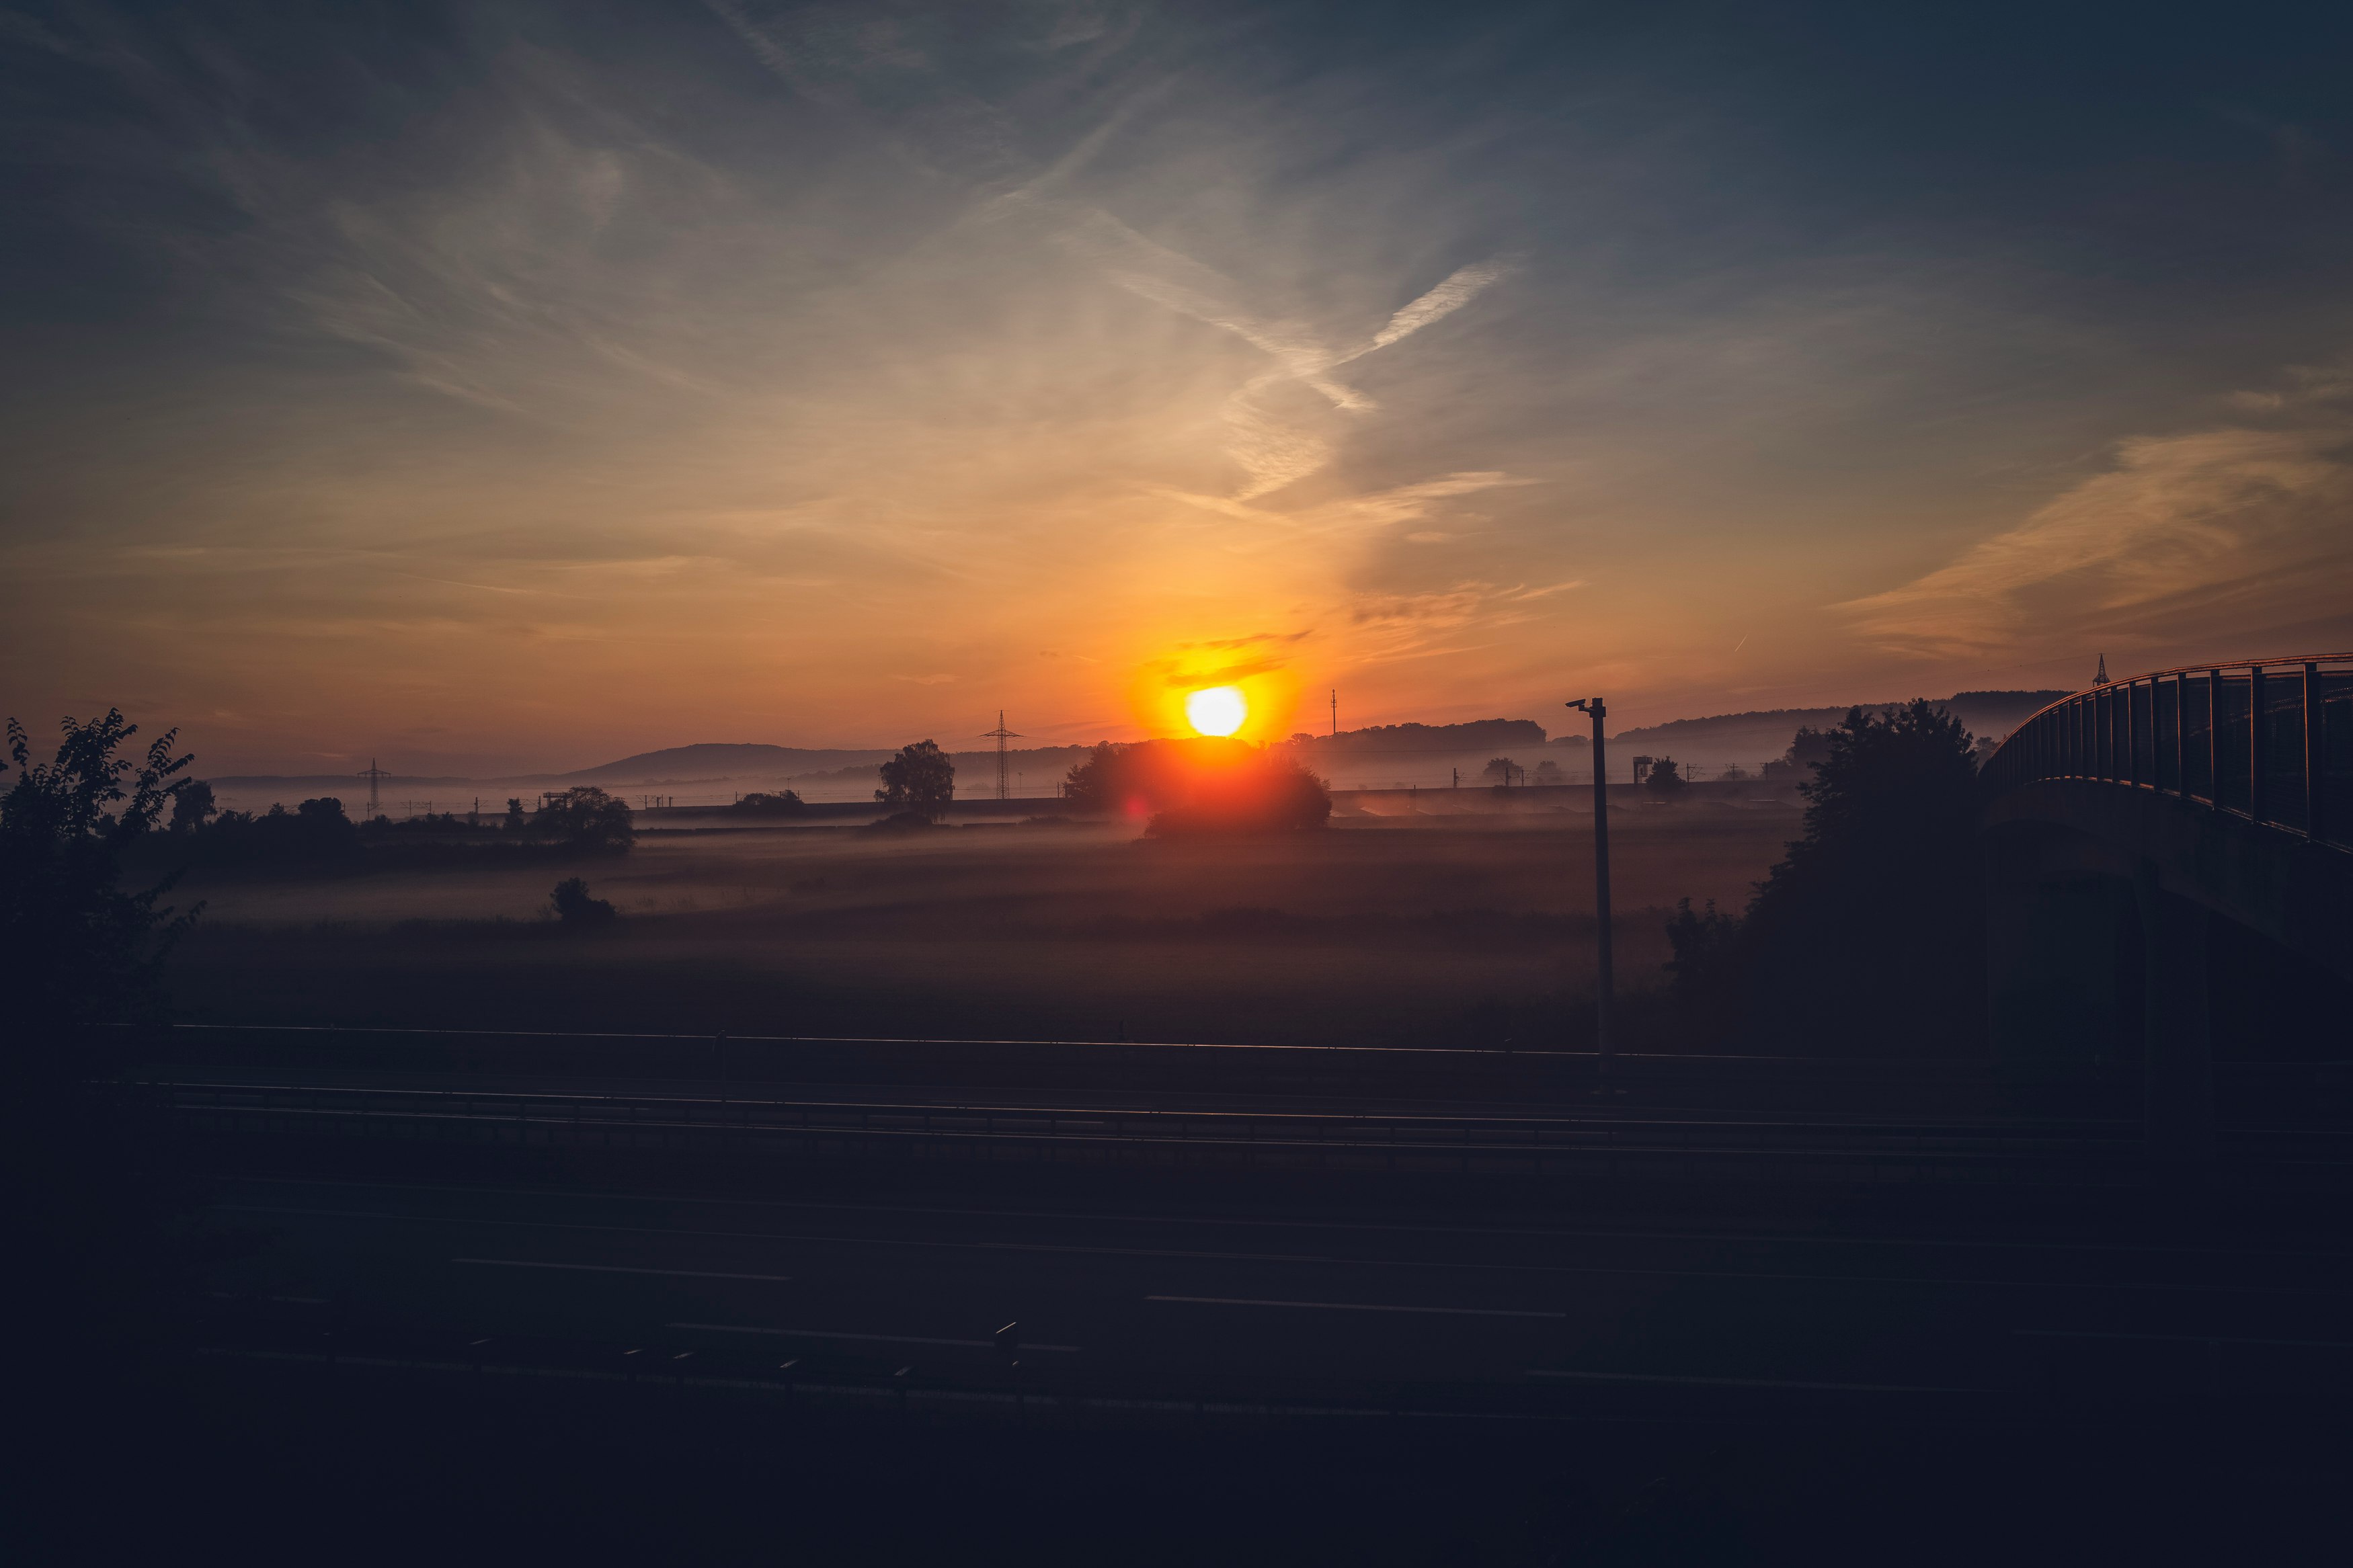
(787, 803)
(1140, 777)
(1206, 784)
(1665, 779)
(76, 948)
(573, 907)
(1708, 970)
(1271, 794)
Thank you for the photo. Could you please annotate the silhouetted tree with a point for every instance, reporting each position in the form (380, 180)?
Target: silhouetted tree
(76, 948)
(1808, 749)
(1501, 771)
(89, 1212)
(586, 817)
(1548, 772)
(574, 906)
(1870, 934)
(1664, 778)
(192, 805)
(517, 824)
(920, 779)
(1104, 779)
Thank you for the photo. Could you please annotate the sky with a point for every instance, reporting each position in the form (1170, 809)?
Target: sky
(509, 385)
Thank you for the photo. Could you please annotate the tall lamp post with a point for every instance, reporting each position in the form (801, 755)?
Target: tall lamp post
(1605, 995)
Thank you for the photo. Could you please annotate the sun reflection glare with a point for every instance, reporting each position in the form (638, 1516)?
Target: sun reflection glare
(1217, 710)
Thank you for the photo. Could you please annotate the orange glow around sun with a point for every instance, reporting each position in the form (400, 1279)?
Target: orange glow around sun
(1219, 690)
(1217, 709)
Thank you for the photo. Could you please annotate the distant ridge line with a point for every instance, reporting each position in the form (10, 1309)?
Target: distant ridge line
(709, 762)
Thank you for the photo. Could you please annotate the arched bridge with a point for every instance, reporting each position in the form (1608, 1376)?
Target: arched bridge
(2146, 835)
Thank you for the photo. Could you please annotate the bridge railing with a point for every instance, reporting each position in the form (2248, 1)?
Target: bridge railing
(2268, 740)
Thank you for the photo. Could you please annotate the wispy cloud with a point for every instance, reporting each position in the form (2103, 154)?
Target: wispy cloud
(2171, 515)
(1272, 451)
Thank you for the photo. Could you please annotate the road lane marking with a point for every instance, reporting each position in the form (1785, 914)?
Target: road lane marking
(877, 1339)
(616, 1268)
(2180, 1339)
(1357, 1307)
(1749, 1382)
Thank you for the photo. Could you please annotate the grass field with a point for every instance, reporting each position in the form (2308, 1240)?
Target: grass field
(1379, 930)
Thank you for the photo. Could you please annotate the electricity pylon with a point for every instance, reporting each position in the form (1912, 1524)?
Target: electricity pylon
(1000, 735)
(372, 773)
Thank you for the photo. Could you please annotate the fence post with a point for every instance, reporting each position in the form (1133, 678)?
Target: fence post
(2182, 735)
(2132, 739)
(2214, 739)
(2315, 755)
(2255, 792)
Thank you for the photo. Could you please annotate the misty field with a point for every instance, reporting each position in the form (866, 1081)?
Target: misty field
(1381, 930)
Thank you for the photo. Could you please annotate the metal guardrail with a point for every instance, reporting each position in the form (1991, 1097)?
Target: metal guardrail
(2270, 740)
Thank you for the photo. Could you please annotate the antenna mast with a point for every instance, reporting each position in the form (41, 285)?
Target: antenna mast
(1335, 711)
(1000, 735)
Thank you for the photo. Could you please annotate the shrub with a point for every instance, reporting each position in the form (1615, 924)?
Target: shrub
(1268, 795)
(786, 803)
(574, 906)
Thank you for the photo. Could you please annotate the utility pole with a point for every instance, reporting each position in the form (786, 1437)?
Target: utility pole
(1000, 735)
(1605, 991)
(1335, 711)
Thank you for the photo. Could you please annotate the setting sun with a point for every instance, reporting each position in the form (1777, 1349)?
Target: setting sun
(1217, 711)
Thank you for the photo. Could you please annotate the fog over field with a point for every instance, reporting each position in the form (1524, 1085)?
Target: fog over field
(1464, 929)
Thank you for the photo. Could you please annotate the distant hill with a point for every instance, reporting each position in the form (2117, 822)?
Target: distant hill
(712, 759)
(1351, 758)
(1492, 735)
(1752, 738)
